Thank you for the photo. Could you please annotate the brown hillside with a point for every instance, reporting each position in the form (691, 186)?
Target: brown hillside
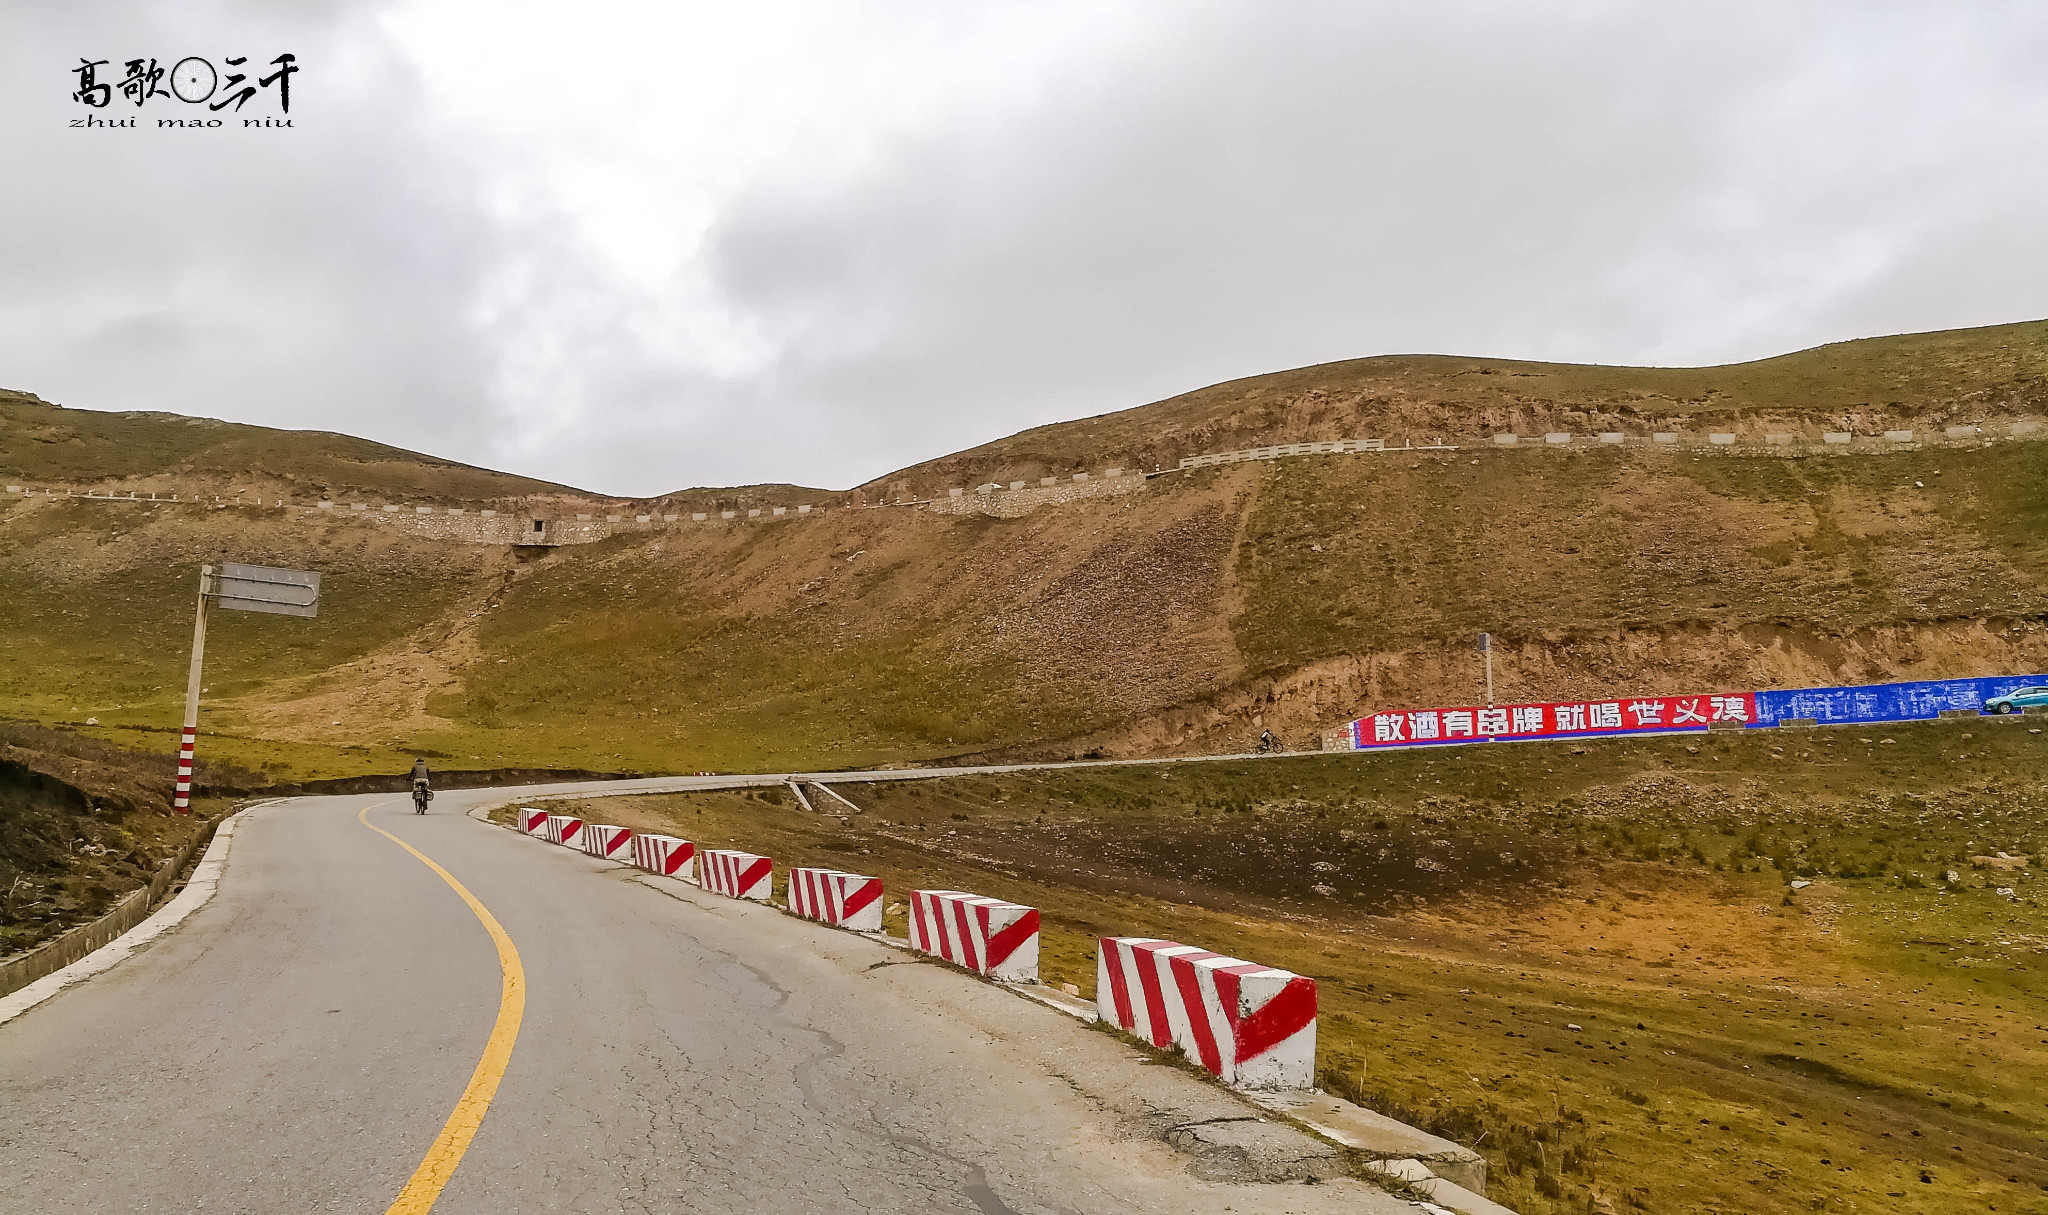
(45, 444)
(1183, 616)
(1924, 380)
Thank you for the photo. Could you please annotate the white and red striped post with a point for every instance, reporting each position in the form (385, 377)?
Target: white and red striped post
(665, 855)
(1252, 1026)
(735, 874)
(843, 900)
(988, 936)
(181, 801)
(604, 841)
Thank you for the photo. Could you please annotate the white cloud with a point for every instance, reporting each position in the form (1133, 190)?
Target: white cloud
(640, 246)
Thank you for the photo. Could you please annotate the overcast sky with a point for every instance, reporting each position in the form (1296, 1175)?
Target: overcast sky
(637, 247)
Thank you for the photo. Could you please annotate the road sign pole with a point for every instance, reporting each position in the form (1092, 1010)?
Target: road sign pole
(182, 802)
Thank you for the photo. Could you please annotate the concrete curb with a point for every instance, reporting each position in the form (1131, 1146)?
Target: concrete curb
(205, 880)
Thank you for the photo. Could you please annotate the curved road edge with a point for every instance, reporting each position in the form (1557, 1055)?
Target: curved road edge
(197, 892)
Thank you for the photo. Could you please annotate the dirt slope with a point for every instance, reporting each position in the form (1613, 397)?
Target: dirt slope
(1183, 617)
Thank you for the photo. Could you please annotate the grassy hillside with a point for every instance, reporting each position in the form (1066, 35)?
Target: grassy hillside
(1587, 961)
(41, 442)
(1921, 380)
(1185, 617)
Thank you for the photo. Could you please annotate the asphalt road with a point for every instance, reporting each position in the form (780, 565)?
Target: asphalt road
(301, 1043)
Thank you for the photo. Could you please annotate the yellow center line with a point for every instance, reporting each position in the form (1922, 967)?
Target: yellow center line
(428, 1180)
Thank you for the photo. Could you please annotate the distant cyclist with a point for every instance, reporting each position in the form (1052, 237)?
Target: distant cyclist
(1268, 743)
(421, 794)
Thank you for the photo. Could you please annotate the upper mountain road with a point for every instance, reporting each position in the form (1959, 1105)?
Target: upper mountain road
(300, 1042)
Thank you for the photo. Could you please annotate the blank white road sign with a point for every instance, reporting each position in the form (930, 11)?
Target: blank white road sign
(259, 588)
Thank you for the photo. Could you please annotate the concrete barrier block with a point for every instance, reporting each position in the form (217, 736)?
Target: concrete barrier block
(565, 830)
(781, 511)
(803, 510)
(670, 518)
(583, 518)
(698, 517)
(1898, 436)
(390, 510)
(1507, 440)
(1961, 432)
(1080, 476)
(1112, 472)
(326, 506)
(1779, 439)
(643, 518)
(605, 842)
(1837, 437)
(1664, 436)
(615, 518)
(843, 900)
(987, 936)
(754, 513)
(1721, 440)
(1613, 436)
(2023, 428)
(1048, 480)
(422, 510)
(728, 514)
(1557, 436)
(14, 489)
(533, 822)
(1252, 1026)
(1016, 485)
(736, 875)
(956, 493)
(666, 855)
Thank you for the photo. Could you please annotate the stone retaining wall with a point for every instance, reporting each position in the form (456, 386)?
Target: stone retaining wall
(1011, 503)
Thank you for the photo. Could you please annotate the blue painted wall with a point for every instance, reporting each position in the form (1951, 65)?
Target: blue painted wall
(1878, 702)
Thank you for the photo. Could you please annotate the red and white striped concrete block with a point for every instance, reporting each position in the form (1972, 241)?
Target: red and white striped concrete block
(987, 936)
(565, 829)
(533, 822)
(737, 875)
(1253, 1026)
(843, 900)
(608, 843)
(665, 855)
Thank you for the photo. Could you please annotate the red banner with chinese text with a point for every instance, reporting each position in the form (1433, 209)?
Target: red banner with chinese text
(1567, 719)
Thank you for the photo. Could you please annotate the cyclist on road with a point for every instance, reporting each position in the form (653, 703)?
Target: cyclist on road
(420, 792)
